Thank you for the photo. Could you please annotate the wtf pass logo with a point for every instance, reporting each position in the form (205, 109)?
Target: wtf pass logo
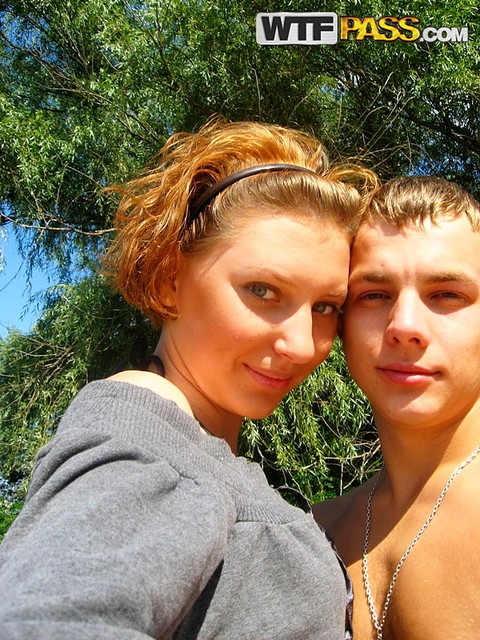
(329, 28)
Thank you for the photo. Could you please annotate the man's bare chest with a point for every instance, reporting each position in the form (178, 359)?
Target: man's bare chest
(434, 593)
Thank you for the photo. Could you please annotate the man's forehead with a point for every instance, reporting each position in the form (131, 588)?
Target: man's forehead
(376, 225)
(443, 251)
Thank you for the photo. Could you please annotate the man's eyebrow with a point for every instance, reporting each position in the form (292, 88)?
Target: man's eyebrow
(450, 276)
(375, 277)
(379, 277)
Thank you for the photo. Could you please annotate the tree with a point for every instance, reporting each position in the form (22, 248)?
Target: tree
(89, 91)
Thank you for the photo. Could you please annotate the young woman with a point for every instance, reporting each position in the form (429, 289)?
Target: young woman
(140, 521)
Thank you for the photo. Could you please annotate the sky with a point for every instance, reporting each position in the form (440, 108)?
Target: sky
(15, 310)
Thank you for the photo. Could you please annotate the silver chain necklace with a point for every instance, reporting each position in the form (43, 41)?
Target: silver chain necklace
(379, 622)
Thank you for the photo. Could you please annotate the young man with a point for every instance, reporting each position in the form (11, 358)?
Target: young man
(410, 536)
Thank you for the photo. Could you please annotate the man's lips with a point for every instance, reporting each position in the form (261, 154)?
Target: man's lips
(270, 379)
(407, 373)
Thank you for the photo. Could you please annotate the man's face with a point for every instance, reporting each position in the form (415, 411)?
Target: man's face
(412, 321)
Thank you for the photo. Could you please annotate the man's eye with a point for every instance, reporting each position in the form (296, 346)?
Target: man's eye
(261, 290)
(373, 296)
(447, 294)
(451, 299)
(367, 297)
(326, 308)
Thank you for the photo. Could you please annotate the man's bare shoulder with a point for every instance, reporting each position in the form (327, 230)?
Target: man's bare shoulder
(341, 507)
(344, 517)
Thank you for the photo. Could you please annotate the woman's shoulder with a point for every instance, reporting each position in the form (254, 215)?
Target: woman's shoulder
(155, 383)
(124, 413)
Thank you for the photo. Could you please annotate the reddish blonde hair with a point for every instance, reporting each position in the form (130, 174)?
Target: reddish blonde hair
(142, 260)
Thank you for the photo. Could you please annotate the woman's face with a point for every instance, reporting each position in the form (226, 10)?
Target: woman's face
(255, 316)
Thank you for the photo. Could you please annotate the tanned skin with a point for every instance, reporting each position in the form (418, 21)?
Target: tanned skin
(412, 340)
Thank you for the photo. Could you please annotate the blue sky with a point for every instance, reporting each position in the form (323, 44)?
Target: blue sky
(15, 310)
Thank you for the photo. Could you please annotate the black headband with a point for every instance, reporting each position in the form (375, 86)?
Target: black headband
(212, 191)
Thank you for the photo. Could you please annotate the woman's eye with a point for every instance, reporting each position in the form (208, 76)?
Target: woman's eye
(261, 290)
(326, 308)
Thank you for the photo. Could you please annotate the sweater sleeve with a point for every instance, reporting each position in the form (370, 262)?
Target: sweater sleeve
(114, 540)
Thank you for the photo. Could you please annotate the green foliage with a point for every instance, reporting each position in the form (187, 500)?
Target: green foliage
(11, 501)
(320, 440)
(89, 91)
(8, 513)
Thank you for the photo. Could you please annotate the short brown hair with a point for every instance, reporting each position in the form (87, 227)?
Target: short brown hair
(142, 260)
(414, 199)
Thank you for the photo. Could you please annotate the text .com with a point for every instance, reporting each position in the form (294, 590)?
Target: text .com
(329, 28)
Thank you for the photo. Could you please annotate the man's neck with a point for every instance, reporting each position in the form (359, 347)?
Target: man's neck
(417, 457)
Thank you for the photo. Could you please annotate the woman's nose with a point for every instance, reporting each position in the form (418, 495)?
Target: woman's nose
(295, 338)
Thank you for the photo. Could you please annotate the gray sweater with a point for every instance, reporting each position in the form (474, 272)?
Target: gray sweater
(138, 525)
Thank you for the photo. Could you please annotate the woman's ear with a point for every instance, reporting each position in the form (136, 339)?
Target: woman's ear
(164, 301)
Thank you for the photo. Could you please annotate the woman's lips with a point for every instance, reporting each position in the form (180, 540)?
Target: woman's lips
(270, 379)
